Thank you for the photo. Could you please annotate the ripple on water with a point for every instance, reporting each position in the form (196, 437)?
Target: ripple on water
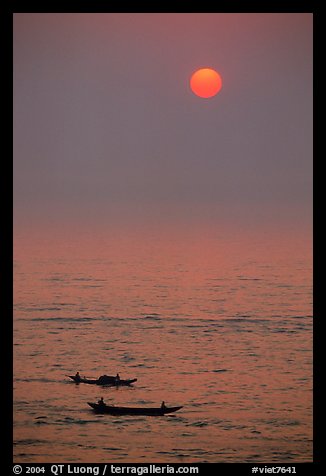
(215, 363)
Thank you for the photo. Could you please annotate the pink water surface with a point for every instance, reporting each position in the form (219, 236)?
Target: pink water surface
(218, 323)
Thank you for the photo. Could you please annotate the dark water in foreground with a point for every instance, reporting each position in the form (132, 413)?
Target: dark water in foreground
(223, 328)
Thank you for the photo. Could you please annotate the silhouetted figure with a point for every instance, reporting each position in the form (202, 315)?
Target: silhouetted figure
(117, 379)
(101, 402)
(77, 376)
(163, 407)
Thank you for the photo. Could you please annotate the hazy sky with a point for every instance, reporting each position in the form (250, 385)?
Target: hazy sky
(106, 128)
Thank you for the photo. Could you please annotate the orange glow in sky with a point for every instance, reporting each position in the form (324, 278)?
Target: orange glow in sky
(205, 82)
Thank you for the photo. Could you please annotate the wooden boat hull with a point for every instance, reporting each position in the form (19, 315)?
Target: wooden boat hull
(111, 381)
(112, 410)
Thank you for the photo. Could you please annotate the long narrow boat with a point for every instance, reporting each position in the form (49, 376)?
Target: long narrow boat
(113, 410)
(109, 380)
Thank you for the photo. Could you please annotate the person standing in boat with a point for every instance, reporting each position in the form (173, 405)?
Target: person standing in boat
(77, 376)
(117, 379)
(163, 407)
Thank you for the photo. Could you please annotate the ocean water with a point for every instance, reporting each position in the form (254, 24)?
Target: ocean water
(220, 325)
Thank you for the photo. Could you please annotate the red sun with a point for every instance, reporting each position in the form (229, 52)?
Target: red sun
(205, 82)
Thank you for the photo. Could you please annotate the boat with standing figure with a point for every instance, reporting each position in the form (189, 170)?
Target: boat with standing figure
(103, 380)
(150, 411)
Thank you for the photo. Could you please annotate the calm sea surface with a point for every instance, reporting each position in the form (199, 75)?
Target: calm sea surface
(220, 325)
